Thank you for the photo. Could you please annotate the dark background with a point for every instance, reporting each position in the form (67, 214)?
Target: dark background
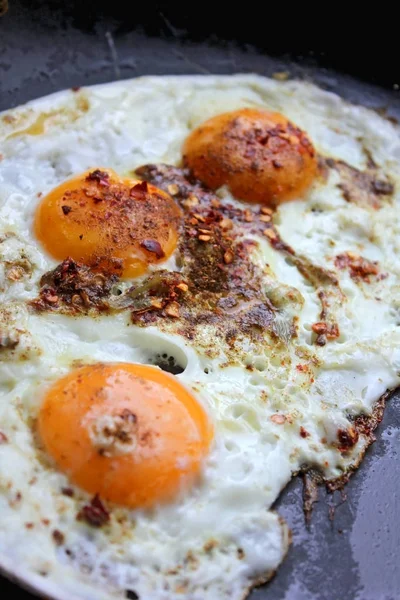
(47, 46)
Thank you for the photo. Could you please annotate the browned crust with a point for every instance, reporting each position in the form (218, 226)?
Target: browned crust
(365, 425)
(365, 188)
(75, 288)
(311, 481)
(254, 221)
(359, 268)
(225, 288)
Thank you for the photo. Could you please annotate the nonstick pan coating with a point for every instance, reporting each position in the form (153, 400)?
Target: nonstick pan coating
(48, 46)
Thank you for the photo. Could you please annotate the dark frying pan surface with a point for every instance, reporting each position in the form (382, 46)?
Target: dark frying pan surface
(49, 46)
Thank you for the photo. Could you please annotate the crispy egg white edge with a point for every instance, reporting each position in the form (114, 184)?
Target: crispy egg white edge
(50, 102)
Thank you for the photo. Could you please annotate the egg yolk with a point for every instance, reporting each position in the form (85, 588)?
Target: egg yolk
(131, 433)
(260, 155)
(98, 217)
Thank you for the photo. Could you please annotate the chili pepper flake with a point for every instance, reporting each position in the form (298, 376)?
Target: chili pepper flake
(58, 537)
(100, 177)
(95, 513)
(173, 189)
(270, 233)
(142, 186)
(172, 310)
(228, 257)
(265, 218)
(265, 210)
(319, 328)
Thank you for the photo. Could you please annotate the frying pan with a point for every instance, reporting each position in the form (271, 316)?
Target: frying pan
(351, 548)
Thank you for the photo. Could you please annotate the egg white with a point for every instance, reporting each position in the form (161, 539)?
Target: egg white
(253, 457)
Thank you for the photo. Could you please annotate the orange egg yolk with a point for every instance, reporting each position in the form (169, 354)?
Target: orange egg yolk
(130, 433)
(98, 219)
(260, 155)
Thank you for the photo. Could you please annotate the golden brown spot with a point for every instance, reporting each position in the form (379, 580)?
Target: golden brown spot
(359, 268)
(366, 188)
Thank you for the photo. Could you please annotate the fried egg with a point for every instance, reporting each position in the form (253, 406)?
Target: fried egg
(238, 232)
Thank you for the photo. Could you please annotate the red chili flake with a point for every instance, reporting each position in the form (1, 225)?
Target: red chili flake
(95, 513)
(359, 267)
(333, 331)
(183, 287)
(58, 537)
(66, 209)
(142, 186)
(67, 491)
(154, 247)
(100, 177)
(302, 368)
(200, 217)
(76, 88)
(228, 257)
(304, 433)
(319, 328)
(248, 216)
(51, 298)
(3, 438)
(29, 525)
